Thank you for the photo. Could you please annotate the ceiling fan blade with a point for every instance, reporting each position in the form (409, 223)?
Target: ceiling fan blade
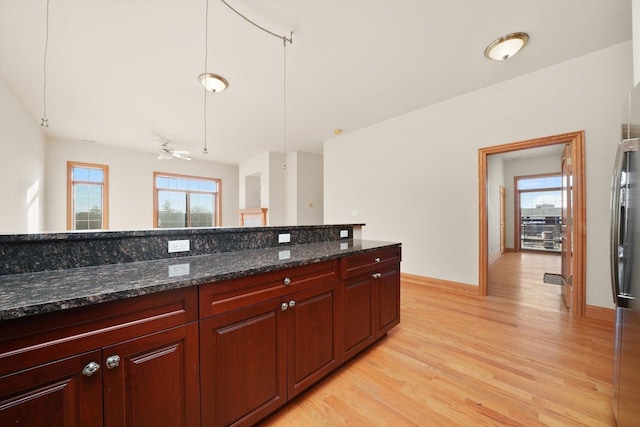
(180, 156)
(165, 155)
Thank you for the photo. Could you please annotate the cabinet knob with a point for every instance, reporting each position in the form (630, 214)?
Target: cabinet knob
(284, 306)
(287, 281)
(377, 259)
(292, 303)
(112, 361)
(377, 275)
(90, 369)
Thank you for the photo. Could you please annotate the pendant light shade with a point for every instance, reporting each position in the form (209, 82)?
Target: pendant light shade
(507, 46)
(213, 82)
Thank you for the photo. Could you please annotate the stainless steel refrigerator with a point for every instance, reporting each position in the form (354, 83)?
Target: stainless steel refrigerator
(625, 266)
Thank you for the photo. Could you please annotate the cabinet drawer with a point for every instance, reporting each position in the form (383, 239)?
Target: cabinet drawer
(219, 297)
(359, 264)
(37, 339)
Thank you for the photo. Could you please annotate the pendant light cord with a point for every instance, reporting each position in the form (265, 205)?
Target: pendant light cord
(284, 101)
(206, 52)
(45, 120)
(284, 39)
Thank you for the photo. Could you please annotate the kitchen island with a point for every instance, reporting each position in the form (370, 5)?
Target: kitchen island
(211, 339)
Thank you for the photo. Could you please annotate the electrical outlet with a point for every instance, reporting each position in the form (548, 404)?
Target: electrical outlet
(179, 270)
(178, 246)
(284, 238)
(344, 233)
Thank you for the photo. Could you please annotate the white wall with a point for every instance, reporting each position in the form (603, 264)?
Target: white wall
(414, 178)
(130, 183)
(272, 188)
(495, 179)
(251, 191)
(277, 196)
(310, 190)
(291, 189)
(22, 142)
(304, 189)
(529, 166)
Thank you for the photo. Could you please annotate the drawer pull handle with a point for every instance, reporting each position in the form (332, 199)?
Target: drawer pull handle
(284, 306)
(287, 281)
(292, 303)
(377, 260)
(90, 369)
(377, 275)
(112, 361)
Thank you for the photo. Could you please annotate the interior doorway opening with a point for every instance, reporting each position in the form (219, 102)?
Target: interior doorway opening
(574, 143)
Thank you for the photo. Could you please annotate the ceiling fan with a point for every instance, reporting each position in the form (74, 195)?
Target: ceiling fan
(168, 153)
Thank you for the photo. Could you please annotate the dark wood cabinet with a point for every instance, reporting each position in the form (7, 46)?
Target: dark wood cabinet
(312, 338)
(254, 359)
(134, 374)
(153, 380)
(387, 299)
(53, 394)
(357, 321)
(226, 353)
(371, 295)
(242, 359)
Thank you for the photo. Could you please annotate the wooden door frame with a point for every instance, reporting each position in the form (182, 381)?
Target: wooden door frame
(576, 141)
(503, 219)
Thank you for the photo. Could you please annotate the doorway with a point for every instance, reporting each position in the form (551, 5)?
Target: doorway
(575, 142)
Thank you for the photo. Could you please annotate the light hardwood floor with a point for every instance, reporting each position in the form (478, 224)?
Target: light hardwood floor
(513, 358)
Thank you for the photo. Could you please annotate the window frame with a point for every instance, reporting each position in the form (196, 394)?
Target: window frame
(105, 193)
(517, 211)
(217, 196)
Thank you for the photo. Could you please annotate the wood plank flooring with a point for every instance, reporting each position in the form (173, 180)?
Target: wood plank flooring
(513, 358)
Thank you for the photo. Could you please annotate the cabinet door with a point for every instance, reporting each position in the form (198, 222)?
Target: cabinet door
(153, 380)
(243, 364)
(357, 322)
(52, 395)
(387, 300)
(312, 319)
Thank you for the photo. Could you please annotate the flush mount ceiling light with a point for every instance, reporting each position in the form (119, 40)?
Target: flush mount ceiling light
(507, 46)
(213, 82)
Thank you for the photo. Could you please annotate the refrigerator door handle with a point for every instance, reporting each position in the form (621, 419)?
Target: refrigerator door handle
(617, 252)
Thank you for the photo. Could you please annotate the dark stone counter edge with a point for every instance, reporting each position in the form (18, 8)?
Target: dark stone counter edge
(92, 235)
(24, 311)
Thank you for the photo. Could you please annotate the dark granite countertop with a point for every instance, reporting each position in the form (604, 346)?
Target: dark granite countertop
(33, 293)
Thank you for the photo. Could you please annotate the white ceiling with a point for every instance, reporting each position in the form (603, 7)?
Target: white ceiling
(124, 73)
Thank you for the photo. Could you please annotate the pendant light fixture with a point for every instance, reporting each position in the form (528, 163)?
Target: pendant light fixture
(284, 39)
(44, 121)
(506, 46)
(210, 81)
(213, 82)
(284, 102)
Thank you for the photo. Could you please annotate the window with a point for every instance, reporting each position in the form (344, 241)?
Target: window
(87, 196)
(185, 201)
(540, 205)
